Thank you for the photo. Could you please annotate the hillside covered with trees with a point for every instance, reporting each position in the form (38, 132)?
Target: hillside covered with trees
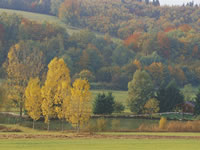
(161, 42)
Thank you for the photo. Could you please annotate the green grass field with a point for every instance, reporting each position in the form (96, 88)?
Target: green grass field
(51, 19)
(120, 96)
(99, 144)
(26, 140)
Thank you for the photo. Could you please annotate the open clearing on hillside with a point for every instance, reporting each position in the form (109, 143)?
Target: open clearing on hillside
(51, 19)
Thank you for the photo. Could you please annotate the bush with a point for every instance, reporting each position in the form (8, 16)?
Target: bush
(118, 107)
(162, 123)
(172, 126)
(91, 127)
(103, 104)
(189, 126)
(148, 128)
(101, 124)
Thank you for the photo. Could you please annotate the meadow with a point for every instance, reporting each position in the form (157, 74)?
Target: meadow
(29, 139)
(99, 144)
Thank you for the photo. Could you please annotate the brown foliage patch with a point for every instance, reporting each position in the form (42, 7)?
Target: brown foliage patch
(7, 129)
(173, 126)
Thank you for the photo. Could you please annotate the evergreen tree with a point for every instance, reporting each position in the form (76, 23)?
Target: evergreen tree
(104, 104)
(169, 97)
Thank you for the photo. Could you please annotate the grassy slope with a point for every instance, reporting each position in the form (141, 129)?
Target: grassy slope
(99, 144)
(51, 19)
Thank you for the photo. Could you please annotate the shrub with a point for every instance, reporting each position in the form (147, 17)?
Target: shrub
(118, 107)
(172, 126)
(91, 127)
(101, 124)
(189, 126)
(162, 123)
(148, 128)
(103, 104)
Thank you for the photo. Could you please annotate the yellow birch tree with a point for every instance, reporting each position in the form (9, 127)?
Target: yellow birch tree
(56, 90)
(25, 60)
(33, 99)
(79, 107)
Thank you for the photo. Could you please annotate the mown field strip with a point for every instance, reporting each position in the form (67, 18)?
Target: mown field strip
(99, 144)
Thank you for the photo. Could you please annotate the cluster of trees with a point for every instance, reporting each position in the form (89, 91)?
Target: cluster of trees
(56, 98)
(144, 98)
(118, 18)
(162, 40)
(173, 54)
(121, 18)
(151, 34)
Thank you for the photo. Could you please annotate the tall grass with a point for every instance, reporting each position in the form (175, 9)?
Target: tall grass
(172, 126)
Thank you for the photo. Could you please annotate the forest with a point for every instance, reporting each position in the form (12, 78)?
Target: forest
(162, 40)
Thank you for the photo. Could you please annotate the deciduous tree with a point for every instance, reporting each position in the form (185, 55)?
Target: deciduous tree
(33, 99)
(56, 90)
(140, 89)
(197, 104)
(151, 106)
(79, 107)
(24, 61)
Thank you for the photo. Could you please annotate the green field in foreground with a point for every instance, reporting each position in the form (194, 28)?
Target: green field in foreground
(99, 144)
(54, 141)
(154, 133)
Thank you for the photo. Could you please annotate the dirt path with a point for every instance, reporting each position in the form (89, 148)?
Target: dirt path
(88, 136)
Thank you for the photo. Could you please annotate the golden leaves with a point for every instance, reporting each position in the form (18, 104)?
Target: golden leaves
(33, 99)
(79, 110)
(56, 89)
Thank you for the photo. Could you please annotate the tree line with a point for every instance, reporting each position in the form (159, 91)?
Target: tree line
(57, 98)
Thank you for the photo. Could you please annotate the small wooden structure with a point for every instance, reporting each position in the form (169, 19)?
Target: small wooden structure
(188, 107)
